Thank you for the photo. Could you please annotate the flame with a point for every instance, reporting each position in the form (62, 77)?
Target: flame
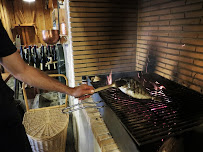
(157, 86)
(138, 75)
(162, 87)
(109, 78)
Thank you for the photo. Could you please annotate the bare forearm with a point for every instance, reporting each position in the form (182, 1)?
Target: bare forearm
(38, 79)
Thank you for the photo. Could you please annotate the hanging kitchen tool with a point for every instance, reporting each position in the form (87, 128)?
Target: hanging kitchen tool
(52, 36)
(18, 42)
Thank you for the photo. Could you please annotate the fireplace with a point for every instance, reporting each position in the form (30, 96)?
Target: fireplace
(161, 38)
(156, 36)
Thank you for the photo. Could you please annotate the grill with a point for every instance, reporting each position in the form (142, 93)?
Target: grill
(148, 121)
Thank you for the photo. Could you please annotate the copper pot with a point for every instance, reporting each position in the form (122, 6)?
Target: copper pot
(50, 36)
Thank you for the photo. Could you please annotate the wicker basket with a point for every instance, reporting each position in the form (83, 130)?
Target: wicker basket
(46, 127)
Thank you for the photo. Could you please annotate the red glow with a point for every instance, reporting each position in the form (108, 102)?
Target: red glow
(159, 108)
(109, 78)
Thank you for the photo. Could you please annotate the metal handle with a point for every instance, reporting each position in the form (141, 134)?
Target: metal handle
(105, 87)
(72, 108)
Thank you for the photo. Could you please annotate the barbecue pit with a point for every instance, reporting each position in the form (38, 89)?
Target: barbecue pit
(143, 125)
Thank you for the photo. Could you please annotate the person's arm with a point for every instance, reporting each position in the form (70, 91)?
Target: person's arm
(6, 76)
(34, 77)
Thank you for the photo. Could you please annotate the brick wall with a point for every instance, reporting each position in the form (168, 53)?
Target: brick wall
(170, 40)
(164, 36)
(103, 36)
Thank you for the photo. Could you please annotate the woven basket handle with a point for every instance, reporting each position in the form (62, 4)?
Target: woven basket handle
(51, 75)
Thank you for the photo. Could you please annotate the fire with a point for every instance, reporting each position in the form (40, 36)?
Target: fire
(162, 87)
(157, 86)
(109, 78)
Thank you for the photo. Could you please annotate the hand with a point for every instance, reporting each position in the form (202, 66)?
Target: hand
(83, 91)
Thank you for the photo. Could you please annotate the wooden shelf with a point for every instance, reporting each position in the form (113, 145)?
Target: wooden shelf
(23, 25)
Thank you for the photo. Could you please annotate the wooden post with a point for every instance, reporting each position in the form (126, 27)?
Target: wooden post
(24, 36)
(27, 36)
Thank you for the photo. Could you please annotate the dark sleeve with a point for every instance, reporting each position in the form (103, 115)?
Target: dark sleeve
(6, 45)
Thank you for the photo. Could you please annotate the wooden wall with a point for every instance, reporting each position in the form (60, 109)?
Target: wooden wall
(170, 40)
(103, 35)
(19, 12)
(5, 12)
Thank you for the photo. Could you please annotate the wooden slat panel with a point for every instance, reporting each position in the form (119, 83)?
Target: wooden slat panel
(20, 12)
(5, 10)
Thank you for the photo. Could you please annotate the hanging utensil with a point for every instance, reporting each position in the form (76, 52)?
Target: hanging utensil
(18, 42)
(50, 36)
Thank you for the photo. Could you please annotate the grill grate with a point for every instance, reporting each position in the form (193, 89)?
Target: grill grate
(147, 120)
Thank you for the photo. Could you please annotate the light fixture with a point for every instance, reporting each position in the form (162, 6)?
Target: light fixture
(29, 0)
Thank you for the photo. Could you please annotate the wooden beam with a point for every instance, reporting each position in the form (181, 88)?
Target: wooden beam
(19, 18)
(50, 4)
(34, 16)
(22, 16)
(27, 36)
(23, 25)
(55, 3)
(24, 36)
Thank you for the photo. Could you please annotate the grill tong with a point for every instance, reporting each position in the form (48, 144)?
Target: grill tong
(118, 83)
(74, 107)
